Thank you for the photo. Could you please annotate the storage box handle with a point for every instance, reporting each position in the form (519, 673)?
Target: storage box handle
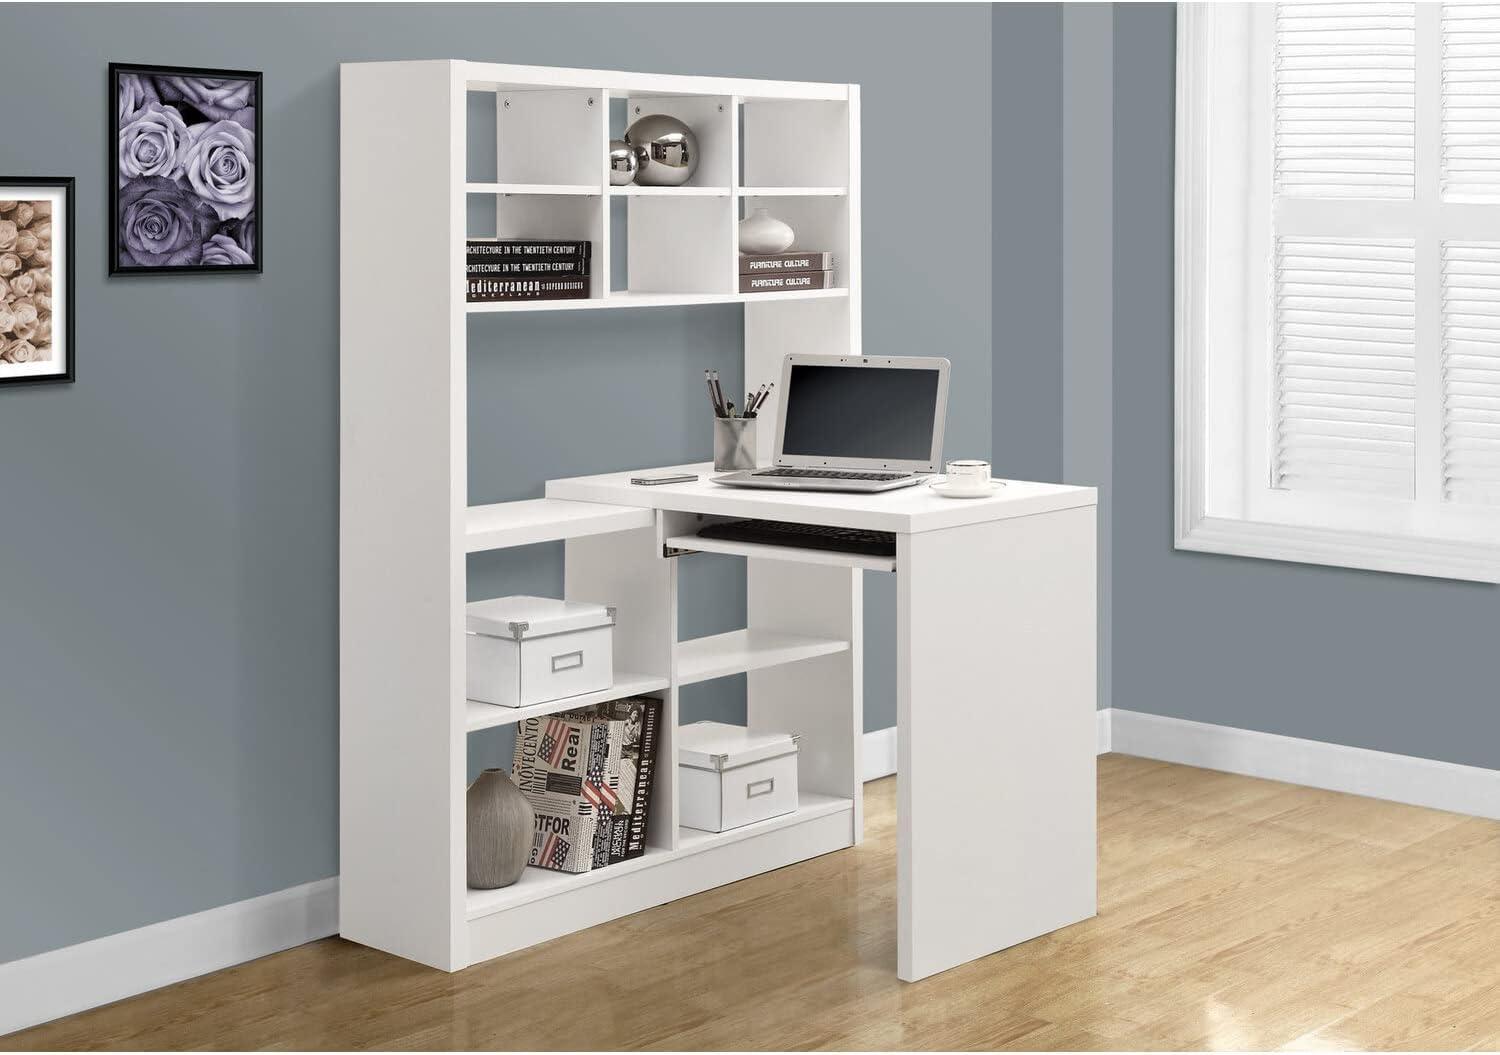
(567, 661)
(766, 787)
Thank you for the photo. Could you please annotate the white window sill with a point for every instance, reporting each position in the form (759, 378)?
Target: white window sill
(1473, 561)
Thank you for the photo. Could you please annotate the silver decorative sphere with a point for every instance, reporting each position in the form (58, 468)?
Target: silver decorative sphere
(670, 150)
(624, 162)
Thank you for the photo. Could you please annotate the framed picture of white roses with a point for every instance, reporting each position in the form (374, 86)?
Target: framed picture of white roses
(185, 170)
(36, 279)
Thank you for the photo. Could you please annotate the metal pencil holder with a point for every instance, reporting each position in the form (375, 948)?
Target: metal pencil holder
(734, 444)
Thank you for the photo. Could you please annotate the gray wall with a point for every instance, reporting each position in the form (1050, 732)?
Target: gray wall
(168, 691)
(1027, 397)
(1389, 662)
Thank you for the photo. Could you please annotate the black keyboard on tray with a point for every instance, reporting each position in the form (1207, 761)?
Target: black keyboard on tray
(804, 536)
(830, 474)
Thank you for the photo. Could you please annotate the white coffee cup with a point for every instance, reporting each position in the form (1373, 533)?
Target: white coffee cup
(968, 475)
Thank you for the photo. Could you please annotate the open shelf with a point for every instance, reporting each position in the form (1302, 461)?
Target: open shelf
(627, 299)
(738, 651)
(488, 715)
(507, 524)
(538, 883)
(788, 553)
(572, 189)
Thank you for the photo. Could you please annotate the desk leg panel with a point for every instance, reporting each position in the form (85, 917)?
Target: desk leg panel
(996, 728)
(821, 700)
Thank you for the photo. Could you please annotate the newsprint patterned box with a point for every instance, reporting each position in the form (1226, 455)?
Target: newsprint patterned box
(568, 767)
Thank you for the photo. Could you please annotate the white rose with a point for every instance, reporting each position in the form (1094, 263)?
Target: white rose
(19, 352)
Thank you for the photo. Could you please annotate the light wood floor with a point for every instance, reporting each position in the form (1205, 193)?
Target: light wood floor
(1234, 913)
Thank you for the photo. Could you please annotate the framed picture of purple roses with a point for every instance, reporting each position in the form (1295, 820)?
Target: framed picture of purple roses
(184, 162)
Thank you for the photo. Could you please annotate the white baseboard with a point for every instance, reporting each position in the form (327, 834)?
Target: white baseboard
(1104, 732)
(66, 981)
(1333, 767)
(880, 748)
(880, 753)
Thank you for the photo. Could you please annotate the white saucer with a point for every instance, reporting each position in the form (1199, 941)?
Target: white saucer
(940, 486)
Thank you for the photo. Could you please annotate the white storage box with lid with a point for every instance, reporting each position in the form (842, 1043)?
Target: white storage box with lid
(524, 650)
(730, 777)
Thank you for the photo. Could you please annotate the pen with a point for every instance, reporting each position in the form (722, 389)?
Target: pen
(765, 394)
(707, 380)
(718, 394)
(713, 393)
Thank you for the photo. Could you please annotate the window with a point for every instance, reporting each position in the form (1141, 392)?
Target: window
(1338, 284)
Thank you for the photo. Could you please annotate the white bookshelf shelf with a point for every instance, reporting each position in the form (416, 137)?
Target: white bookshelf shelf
(538, 883)
(794, 192)
(738, 651)
(632, 190)
(507, 524)
(489, 716)
(632, 299)
(577, 190)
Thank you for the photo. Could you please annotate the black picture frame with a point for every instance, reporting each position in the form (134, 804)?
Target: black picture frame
(112, 147)
(69, 344)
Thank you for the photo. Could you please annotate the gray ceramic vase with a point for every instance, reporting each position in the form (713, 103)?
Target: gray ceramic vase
(501, 823)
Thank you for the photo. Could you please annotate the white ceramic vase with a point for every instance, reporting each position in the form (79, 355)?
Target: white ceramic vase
(760, 232)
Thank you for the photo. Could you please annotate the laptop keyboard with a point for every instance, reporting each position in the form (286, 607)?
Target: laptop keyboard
(830, 474)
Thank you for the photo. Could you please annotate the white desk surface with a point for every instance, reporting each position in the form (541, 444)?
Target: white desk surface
(907, 510)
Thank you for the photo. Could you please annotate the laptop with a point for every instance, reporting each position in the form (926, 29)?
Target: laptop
(855, 423)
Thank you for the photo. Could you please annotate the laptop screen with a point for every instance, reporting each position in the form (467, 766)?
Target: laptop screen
(836, 412)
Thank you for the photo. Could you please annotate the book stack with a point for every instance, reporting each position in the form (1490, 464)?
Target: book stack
(778, 272)
(588, 775)
(527, 269)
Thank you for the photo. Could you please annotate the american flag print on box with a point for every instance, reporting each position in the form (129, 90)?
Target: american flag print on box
(568, 767)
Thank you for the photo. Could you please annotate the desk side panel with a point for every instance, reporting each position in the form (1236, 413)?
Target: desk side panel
(996, 736)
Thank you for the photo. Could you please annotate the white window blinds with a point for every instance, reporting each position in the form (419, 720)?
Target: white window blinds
(1385, 292)
(1471, 102)
(1471, 372)
(1346, 365)
(1346, 100)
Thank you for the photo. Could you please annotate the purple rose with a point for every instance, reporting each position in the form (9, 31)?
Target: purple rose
(244, 232)
(162, 224)
(215, 97)
(220, 166)
(221, 251)
(151, 144)
(136, 92)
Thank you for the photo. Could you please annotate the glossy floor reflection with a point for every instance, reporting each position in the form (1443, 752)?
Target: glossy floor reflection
(1235, 913)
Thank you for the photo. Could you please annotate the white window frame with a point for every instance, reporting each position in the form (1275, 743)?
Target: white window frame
(1215, 370)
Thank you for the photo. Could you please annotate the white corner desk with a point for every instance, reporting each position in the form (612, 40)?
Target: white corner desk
(997, 620)
(995, 684)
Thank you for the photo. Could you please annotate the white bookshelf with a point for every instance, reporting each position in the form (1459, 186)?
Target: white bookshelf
(406, 526)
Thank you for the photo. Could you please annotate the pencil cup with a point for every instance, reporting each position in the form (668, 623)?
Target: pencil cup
(734, 444)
